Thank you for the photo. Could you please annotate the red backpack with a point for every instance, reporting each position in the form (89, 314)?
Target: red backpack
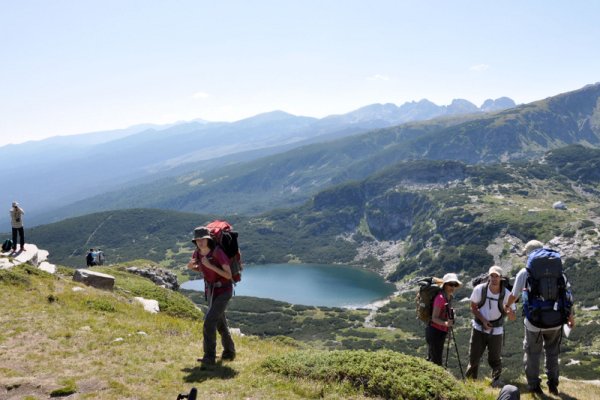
(227, 239)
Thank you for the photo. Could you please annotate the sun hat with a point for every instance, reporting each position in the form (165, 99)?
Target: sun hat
(15, 204)
(494, 269)
(451, 277)
(201, 232)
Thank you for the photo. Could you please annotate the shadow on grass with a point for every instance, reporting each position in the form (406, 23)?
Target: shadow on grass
(523, 389)
(199, 373)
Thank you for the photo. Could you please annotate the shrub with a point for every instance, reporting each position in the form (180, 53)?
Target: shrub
(385, 374)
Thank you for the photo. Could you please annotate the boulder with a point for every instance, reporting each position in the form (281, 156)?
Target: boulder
(149, 305)
(95, 279)
(559, 205)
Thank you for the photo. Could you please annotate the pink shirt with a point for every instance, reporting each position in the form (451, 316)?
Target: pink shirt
(440, 302)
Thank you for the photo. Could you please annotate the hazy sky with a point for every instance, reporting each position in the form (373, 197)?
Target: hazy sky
(79, 66)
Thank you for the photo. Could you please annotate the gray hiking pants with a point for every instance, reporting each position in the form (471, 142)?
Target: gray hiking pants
(479, 342)
(214, 321)
(549, 340)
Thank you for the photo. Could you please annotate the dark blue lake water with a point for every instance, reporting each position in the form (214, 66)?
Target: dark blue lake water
(310, 284)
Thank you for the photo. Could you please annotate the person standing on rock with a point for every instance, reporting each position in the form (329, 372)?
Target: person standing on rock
(213, 263)
(16, 221)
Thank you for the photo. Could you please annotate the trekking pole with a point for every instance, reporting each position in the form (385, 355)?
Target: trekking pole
(447, 351)
(457, 355)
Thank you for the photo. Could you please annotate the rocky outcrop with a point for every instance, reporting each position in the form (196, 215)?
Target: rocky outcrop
(32, 255)
(159, 276)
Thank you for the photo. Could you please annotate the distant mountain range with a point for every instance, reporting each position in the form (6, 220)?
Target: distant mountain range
(291, 177)
(61, 170)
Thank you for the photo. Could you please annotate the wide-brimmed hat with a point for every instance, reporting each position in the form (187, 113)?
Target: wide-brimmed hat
(451, 277)
(495, 270)
(201, 232)
(15, 204)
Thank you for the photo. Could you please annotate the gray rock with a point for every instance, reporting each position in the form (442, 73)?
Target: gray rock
(95, 279)
(559, 205)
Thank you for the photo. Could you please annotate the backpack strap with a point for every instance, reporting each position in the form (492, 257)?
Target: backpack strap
(498, 322)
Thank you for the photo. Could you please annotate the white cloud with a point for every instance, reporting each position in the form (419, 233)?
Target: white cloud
(200, 95)
(378, 77)
(479, 67)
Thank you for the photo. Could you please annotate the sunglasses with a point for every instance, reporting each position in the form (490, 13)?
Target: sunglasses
(452, 284)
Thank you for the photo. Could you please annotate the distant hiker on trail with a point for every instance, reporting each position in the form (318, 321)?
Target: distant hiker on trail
(487, 305)
(100, 257)
(218, 289)
(547, 305)
(442, 318)
(16, 220)
(89, 258)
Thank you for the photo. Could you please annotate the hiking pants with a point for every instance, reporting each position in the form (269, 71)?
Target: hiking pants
(21, 233)
(214, 321)
(435, 340)
(549, 340)
(479, 342)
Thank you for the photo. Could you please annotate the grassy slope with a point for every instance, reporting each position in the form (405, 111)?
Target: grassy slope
(102, 345)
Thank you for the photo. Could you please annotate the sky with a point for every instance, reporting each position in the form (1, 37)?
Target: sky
(77, 66)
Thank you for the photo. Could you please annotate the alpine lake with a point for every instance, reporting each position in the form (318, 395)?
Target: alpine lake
(310, 284)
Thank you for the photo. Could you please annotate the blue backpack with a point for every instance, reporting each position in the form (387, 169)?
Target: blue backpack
(548, 301)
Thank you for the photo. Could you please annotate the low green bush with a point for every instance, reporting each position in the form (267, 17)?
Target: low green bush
(385, 374)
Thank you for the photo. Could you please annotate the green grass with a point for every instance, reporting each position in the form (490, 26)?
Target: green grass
(102, 344)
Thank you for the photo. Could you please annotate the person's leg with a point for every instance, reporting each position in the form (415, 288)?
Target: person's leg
(435, 340)
(532, 351)
(223, 329)
(22, 236)
(14, 239)
(215, 310)
(495, 355)
(552, 350)
(476, 349)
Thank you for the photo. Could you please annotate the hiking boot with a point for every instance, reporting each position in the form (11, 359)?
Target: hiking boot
(552, 388)
(207, 361)
(537, 389)
(497, 383)
(227, 356)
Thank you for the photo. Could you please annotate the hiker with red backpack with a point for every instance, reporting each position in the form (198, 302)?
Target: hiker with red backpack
(214, 264)
(547, 306)
(442, 318)
(487, 305)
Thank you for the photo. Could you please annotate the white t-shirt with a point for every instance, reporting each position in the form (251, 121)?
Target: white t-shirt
(489, 310)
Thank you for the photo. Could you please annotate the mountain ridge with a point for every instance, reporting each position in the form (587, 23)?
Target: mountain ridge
(292, 177)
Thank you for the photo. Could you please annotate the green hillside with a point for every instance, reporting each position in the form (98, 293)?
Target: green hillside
(57, 341)
(63, 339)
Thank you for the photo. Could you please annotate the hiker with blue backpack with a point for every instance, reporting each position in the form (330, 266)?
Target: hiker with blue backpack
(547, 307)
(214, 264)
(487, 305)
(16, 221)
